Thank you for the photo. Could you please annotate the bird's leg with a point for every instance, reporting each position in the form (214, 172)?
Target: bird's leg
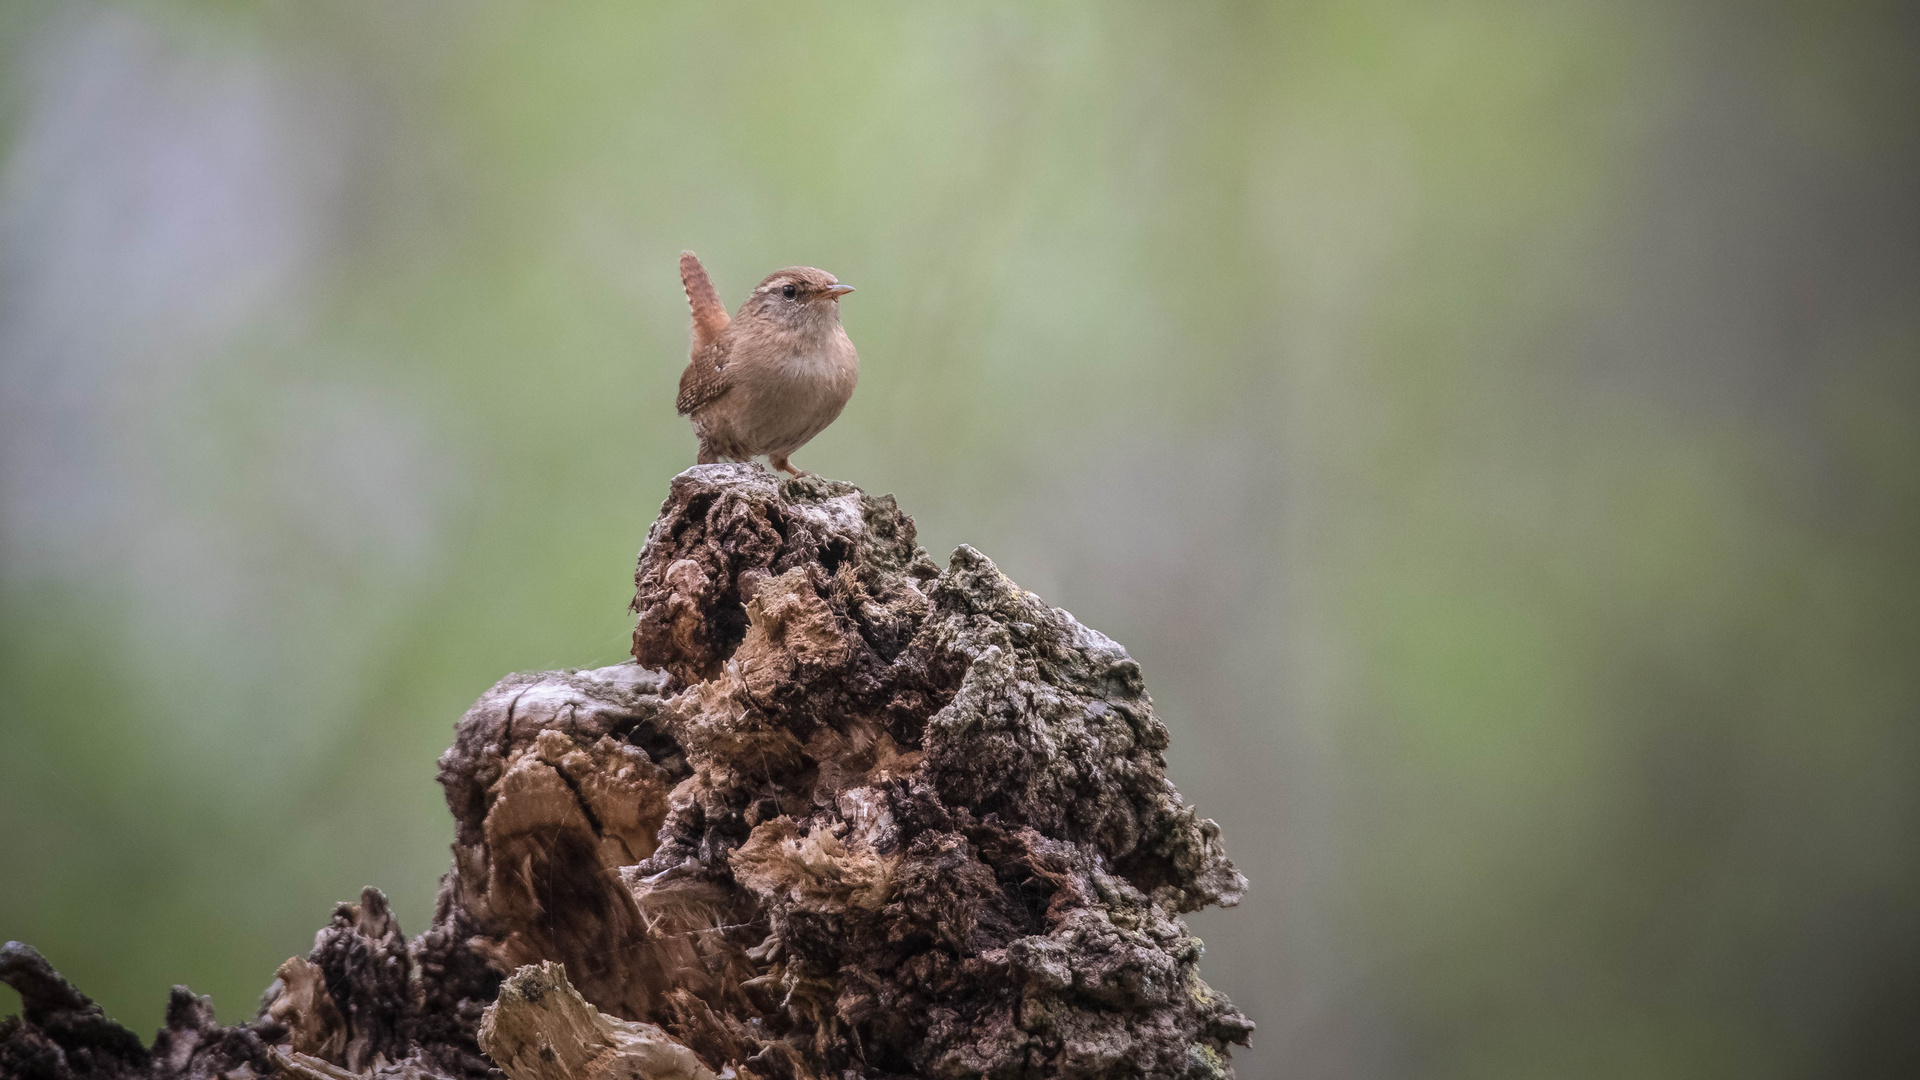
(781, 464)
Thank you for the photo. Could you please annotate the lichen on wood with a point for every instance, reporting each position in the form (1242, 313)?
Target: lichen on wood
(846, 814)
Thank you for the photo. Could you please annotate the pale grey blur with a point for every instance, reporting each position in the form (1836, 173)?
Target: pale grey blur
(1492, 426)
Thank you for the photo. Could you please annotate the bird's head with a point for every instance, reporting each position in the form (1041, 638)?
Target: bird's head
(798, 296)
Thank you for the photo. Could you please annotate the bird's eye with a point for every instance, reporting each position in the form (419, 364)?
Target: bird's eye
(787, 290)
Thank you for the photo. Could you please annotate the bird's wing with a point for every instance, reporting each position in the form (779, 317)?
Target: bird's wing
(705, 378)
(710, 318)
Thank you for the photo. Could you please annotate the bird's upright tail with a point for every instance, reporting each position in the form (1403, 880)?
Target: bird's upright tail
(709, 314)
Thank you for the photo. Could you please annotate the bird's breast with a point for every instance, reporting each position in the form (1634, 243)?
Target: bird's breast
(790, 395)
(822, 362)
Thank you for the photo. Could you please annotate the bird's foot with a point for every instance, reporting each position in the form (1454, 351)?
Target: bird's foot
(781, 464)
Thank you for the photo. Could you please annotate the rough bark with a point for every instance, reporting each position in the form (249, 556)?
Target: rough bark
(847, 814)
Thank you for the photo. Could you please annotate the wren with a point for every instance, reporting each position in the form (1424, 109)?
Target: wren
(774, 375)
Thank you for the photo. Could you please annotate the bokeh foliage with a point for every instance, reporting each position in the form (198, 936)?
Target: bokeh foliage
(1492, 426)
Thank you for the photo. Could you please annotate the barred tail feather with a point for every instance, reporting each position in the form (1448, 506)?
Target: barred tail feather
(709, 314)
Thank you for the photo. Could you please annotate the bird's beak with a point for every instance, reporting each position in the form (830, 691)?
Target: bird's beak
(838, 291)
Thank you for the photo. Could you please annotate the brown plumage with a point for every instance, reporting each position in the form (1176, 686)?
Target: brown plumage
(775, 374)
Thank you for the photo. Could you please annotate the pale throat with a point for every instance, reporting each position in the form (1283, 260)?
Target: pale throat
(815, 347)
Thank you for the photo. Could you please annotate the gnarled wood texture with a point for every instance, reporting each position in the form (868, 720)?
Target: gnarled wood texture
(847, 814)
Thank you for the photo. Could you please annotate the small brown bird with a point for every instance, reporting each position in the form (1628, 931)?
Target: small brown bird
(773, 376)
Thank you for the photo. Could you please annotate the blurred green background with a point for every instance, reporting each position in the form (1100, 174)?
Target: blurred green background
(1493, 427)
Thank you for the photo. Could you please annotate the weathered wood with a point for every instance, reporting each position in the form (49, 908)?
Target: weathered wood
(847, 813)
(540, 1028)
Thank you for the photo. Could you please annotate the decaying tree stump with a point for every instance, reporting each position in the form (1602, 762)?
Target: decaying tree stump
(847, 814)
